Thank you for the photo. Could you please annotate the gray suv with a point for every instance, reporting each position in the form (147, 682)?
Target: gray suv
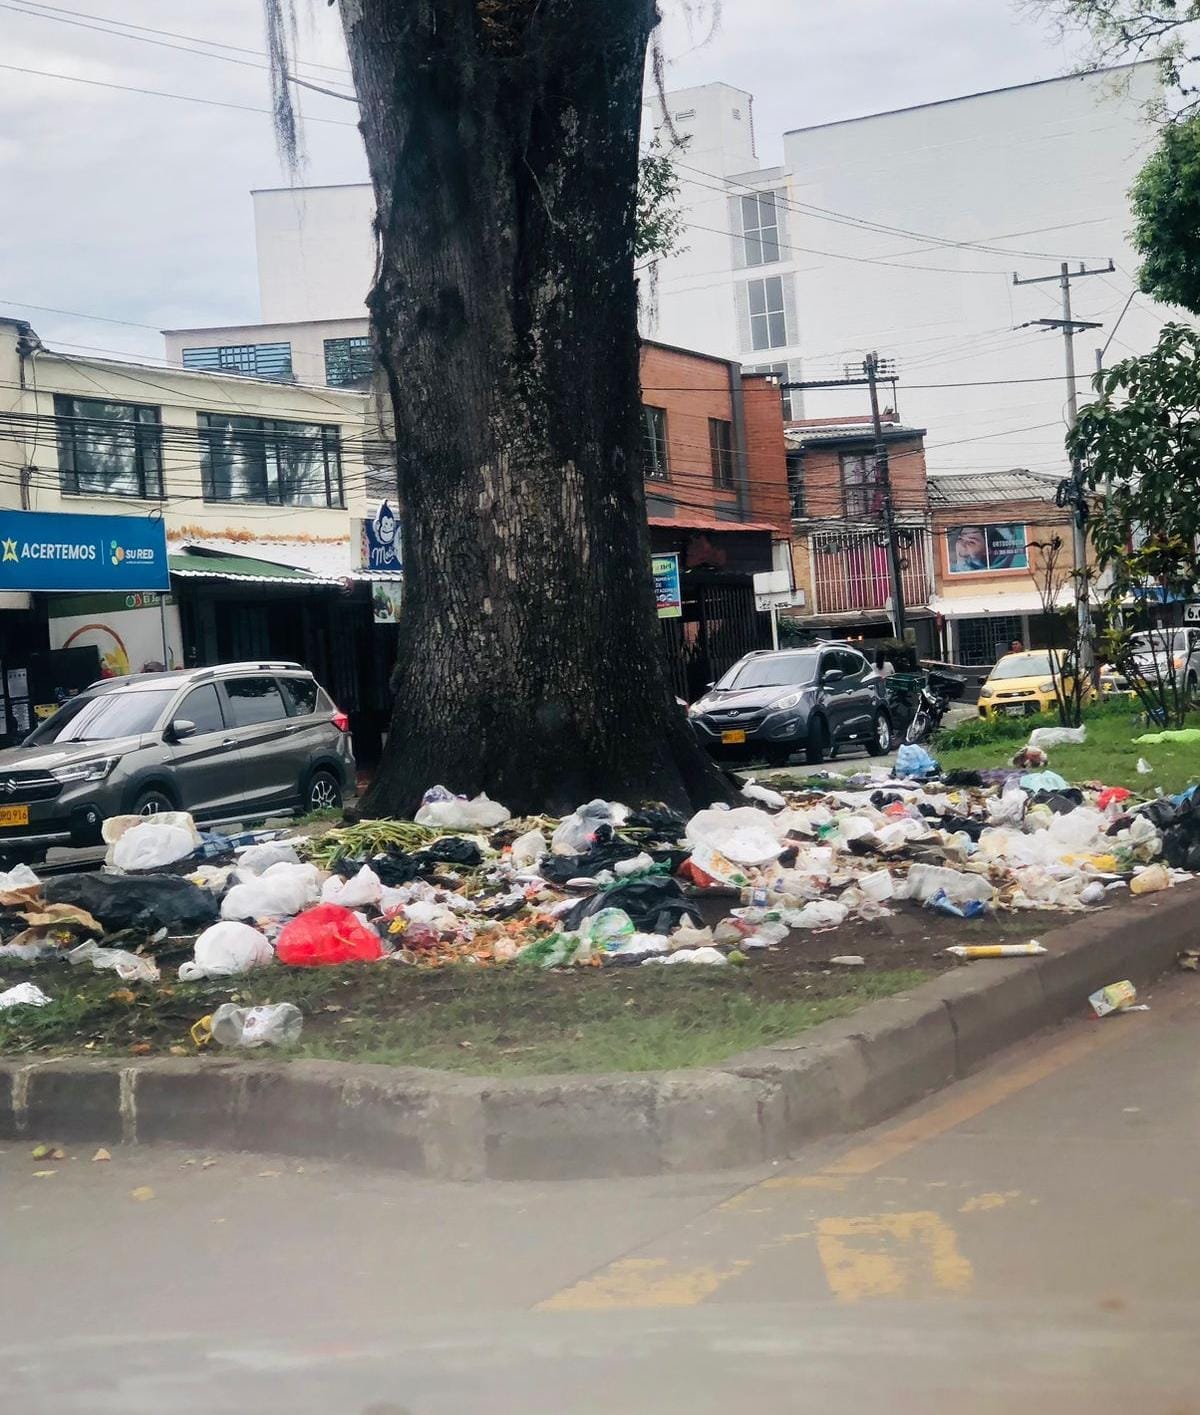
(235, 742)
(776, 702)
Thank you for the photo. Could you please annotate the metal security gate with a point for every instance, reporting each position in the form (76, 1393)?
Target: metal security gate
(720, 624)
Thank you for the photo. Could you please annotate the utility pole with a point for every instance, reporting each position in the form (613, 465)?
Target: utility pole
(883, 476)
(1070, 327)
(872, 371)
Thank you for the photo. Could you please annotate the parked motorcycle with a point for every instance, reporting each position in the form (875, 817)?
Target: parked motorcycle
(933, 700)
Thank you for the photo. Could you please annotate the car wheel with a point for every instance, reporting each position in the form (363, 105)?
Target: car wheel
(152, 803)
(324, 792)
(1193, 690)
(879, 744)
(779, 757)
(816, 749)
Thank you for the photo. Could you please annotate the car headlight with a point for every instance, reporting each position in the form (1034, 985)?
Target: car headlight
(1046, 687)
(85, 771)
(986, 692)
(790, 701)
(697, 708)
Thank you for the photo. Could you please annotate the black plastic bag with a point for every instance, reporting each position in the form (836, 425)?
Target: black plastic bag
(655, 904)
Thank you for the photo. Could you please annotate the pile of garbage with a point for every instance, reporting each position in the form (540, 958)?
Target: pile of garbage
(606, 886)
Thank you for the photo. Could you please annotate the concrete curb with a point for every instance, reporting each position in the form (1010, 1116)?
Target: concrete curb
(760, 1106)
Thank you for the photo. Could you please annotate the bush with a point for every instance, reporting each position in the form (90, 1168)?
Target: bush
(982, 731)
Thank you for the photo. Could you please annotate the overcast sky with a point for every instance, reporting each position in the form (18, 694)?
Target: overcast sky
(137, 207)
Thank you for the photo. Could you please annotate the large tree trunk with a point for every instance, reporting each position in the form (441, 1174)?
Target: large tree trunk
(502, 137)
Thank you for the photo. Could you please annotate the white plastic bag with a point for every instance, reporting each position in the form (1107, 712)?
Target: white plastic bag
(457, 814)
(1009, 808)
(690, 955)
(640, 946)
(151, 844)
(254, 859)
(745, 835)
(129, 967)
(115, 827)
(576, 833)
(23, 995)
(276, 1024)
(19, 877)
(924, 881)
(770, 798)
(225, 950)
(528, 849)
(1047, 737)
(281, 891)
(637, 865)
(362, 889)
(818, 914)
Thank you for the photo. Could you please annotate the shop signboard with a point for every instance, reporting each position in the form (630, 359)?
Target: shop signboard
(381, 549)
(53, 550)
(667, 590)
(133, 633)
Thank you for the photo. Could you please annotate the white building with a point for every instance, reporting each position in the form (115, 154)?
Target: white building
(898, 232)
(901, 232)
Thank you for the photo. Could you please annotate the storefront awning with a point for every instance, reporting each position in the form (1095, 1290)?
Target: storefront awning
(209, 566)
(998, 603)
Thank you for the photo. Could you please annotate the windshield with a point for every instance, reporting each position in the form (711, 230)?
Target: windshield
(103, 718)
(1033, 665)
(783, 672)
(1146, 645)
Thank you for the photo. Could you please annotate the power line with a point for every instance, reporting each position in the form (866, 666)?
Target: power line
(82, 23)
(172, 34)
(159, 93)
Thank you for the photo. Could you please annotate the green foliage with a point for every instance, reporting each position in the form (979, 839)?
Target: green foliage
(659, 220)
(1166, 205)
(988, 731)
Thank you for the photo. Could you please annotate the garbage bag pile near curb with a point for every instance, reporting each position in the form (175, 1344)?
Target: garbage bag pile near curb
(604, 886)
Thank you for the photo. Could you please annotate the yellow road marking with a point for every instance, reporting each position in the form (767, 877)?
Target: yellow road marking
(641, 1282)
(980, 1203)
(658, 1282)
(886, 1255)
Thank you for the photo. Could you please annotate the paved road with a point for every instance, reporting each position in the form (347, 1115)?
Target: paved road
(1026, 1241)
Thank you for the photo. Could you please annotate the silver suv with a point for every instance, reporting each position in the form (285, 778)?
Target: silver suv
(236, 742)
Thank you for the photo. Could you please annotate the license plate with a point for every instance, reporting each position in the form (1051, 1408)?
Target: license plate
(1017, 711)
(733, 736)
(14, 815)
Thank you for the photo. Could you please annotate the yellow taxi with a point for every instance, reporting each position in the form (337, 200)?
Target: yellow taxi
(1021, 684)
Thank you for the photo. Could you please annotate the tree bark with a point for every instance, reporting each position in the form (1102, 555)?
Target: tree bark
(502, 138)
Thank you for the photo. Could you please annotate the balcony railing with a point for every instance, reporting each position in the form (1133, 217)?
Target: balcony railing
(850, 569)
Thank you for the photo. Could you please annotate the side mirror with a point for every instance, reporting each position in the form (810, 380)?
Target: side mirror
(832, 675)
(179, 729)
(713, 684)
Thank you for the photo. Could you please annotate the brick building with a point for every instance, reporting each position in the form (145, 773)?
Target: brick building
(990, 531)
(716, 497)
(839, 551)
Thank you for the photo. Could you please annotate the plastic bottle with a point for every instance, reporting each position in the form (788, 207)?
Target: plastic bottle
(277, 1024)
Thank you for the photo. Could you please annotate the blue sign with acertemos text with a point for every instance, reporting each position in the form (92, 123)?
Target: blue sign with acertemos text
(53, 550)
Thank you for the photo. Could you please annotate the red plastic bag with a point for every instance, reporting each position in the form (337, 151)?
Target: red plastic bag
(1111, 794)
(326, 935)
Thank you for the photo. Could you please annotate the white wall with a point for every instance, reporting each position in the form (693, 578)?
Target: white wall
(1043, 168)
(179, 396)
(316, 251)
(306, 338)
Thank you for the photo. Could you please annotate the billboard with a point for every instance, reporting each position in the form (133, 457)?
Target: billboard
(133, 633)
(976, 549)
(54, 550)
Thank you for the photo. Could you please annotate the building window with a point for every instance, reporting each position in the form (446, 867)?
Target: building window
(720, 446)
(270, 361)
(779, 371)
(971, 549)
(760, 231)
(768, 325)
(278, 463)
(795, 477)
(685, 115)
(862, 491)
(348, 361)
(108, 449)
(982, 641)
(654, 444)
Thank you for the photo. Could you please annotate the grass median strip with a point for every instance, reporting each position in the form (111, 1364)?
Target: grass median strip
(469, 1019)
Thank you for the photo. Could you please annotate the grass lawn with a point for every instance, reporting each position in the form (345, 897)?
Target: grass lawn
(513, 1021)
(1109, 755)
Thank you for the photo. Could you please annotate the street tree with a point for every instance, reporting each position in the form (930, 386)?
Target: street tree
(1166, 207)
(1138, 444)
(502, 142)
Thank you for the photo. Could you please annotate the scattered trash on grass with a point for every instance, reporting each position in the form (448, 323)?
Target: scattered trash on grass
(275, 1024)
(23, 995)
(225, 950)
(1143, 766)
(849, 960)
